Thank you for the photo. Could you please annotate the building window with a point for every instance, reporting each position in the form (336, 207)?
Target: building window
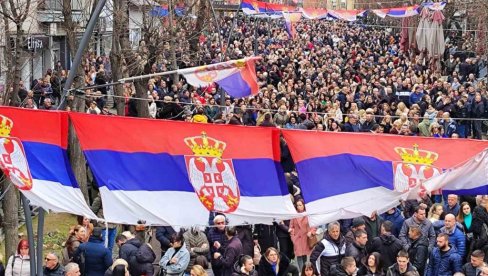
(57, 5)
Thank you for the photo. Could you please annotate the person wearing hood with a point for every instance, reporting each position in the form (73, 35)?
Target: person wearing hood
(231, 252)
(244, 267)
(418, 252)
(357, 249)
(395, 216)
(142, 264)
(387, 245)
(329, 251)
(444, 259)
(196, 243)
(97, 257)
(176, 259)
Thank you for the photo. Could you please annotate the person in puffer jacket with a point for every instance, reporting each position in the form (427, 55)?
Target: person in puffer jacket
(19, 264)
(444, 259)
(329, 251)
(395, 216)
(143, 261)
(456, 236)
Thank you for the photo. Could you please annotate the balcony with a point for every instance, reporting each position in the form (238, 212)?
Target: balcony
(51, 11)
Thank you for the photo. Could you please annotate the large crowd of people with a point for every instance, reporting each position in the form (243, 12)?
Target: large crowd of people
(333, 76)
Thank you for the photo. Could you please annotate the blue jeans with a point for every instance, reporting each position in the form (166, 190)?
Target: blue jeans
(461, 130)
(112, 232)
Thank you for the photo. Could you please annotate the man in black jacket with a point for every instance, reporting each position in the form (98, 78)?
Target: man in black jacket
(473, 268)
(418, 251)
(357, 249)
(387, 245)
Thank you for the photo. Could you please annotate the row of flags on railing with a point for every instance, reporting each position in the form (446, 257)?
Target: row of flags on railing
(259, 8)
(176, 173)
(273, 10)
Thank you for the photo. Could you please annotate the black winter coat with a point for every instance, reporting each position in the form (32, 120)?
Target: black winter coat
(238, 272)
(244, 233)
(418, 254)
(265, 268)
(357, 252)
(388, 246)
(144, 259)
(479, 227)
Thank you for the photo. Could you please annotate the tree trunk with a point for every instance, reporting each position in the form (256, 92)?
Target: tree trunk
(116, 59)
(141, 92)
(10, 223)
(8, 50)
(172, 43)
(77, 159)
(201, 17)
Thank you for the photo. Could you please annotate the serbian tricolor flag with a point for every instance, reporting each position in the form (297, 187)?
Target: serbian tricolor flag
(347, 175)
(159, 11)
(175, 173)
(291, 18)
(253, 7)
(437, 6)
(347, 15)
(236, 77)
(278, 8)
(403, 11)
(33, 155)
(310, 13)
(468, 178)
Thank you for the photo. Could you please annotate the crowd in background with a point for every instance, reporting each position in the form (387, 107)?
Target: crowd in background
(332, 77)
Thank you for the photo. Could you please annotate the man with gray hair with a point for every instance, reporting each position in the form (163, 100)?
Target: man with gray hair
(329, 251)
(72, 269)
(52, 267)
(217, 241)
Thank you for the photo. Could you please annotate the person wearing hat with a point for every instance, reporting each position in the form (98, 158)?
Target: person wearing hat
(92, 256)
(357, 224)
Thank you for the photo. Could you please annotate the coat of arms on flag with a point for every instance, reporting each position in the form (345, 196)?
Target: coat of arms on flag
(13, 161)
(212, 177)
(416, 167)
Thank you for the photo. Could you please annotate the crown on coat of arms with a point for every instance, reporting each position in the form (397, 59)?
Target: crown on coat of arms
(205, 146)
(416, 156)
(6, 125)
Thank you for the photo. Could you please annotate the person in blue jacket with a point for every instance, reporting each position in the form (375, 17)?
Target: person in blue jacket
(444, 259)
(395, 216)
(456, 236)
(93, 257)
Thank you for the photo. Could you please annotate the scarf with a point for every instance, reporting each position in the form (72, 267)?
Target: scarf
(467, 220)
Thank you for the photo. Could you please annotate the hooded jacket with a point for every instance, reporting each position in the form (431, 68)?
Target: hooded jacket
(388, 246)
(238, 271)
